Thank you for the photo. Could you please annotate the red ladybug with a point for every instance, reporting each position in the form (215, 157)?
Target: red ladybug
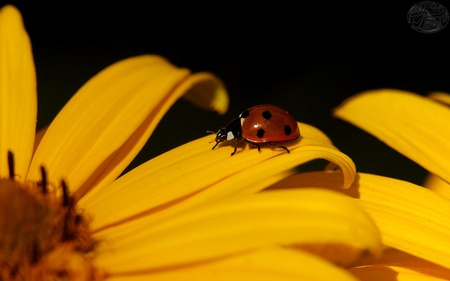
(261, 124)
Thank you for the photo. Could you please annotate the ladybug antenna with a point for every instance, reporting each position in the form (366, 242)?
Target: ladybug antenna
(212, 133)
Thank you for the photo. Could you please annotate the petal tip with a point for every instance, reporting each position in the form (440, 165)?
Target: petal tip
(207, 91)
(10, 11)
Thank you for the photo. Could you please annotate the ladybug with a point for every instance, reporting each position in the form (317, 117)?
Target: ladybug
(261, 124)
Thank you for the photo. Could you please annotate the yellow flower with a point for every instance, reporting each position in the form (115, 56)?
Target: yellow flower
(414, 222)
(188, 214)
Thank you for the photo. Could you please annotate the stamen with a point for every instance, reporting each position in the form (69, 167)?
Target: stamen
(35, 254)
(43, 182)
(69, 203)
(78, 219)
(14, 270)
(67, 234)
(66, 199)
(11, 167)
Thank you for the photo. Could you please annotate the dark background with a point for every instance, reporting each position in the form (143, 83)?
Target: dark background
(304, 57)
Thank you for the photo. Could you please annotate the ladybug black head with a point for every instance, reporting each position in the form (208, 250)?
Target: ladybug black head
(229, 132)
(220, 136)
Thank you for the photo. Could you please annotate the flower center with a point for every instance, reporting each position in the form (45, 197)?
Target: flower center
(43, 235)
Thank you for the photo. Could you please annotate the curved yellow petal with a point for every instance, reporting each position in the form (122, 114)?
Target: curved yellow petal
(107, 122)
(206, 91)
(311, 136)
(271, 264)
(192, 174)
(396, 265)
(398, 273)
(441, 97)
(18, 101)
(411, 124)
(39, 135)
(436, 184)
(410, 218)
(339, 254)
(230, 226)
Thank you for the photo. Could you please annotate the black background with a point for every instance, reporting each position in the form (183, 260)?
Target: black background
(304, 57)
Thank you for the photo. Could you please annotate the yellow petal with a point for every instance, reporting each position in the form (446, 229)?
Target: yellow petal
(206, 91)
(409, 217)
(231, 226)
(339, 254)
(39, 135)
(441, 97)
(192, 174)
(413, 125)
(397, 273)
(18, 102)
(436, 184)
(271, 264)
(107, 122)
(396, 265)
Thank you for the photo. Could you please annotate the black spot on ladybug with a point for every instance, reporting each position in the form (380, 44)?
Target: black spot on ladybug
(266, 114)
(287, 130)
(245, 114)
(260, 133)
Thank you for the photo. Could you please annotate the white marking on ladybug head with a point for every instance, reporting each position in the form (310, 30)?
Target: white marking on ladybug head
(242, 121)
(230, 135)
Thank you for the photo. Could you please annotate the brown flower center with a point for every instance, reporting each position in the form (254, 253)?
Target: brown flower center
(43, 235)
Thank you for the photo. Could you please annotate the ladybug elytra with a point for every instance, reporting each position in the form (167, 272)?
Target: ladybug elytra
(261, 124)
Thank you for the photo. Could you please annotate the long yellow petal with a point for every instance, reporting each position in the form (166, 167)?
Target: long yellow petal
(436, 184)
(230, 226)
(107, 122)
(410, 218)
(18, 101)
(397, 273)
(396, 266)
(411, 124)
(206, 91)
(192, 174)
(441, 97)
(272, 264)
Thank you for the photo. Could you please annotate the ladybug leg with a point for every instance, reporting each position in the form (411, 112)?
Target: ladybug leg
(254, 144)
(235, 147)
(280, 146)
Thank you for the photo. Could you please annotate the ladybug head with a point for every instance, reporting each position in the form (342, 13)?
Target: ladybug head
(220, 136)
(229, 132)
